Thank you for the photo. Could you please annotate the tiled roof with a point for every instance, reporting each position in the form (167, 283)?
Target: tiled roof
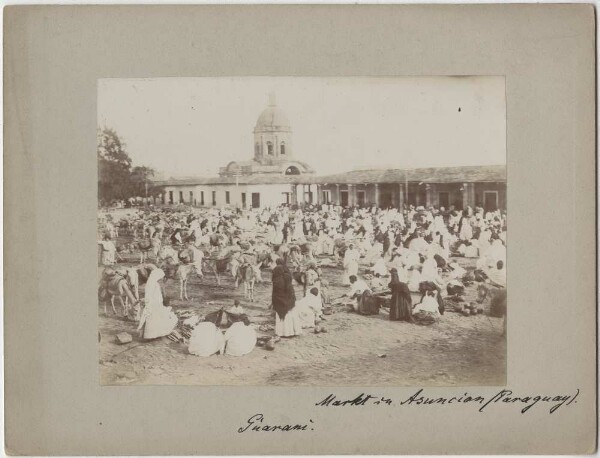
(465, 174)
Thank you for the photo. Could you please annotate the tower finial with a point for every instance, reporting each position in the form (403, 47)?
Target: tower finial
(272, 102)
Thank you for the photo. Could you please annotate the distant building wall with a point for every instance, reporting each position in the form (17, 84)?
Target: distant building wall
(267, 195)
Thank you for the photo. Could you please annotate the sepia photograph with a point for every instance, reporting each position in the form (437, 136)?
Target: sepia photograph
(302, 231)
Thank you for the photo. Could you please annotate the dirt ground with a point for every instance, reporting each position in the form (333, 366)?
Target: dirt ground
(355, 350)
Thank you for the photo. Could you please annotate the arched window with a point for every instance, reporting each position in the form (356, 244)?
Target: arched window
(292, 170)
(282, 148)
(270, 148)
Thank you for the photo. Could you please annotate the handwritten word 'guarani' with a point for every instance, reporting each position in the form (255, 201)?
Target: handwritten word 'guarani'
(256, 424)
(420, 399)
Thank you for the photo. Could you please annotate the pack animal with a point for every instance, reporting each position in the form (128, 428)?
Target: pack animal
(179, 271)
(148, 247)
(119, 284)
(246, 274)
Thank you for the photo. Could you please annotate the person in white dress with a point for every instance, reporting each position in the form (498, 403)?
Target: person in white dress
(309, 308)
(350, 263)
(206, 340)
(156, 320)
(240, 339)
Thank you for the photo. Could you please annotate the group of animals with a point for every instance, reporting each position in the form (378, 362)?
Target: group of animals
(122, 283)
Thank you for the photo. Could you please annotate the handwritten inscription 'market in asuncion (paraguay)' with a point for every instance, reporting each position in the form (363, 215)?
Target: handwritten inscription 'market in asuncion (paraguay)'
(503, 397)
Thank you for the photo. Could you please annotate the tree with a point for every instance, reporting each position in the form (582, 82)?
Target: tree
(114, 167)
(142, 183)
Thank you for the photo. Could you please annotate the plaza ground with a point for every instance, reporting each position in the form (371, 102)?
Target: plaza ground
(355, 351)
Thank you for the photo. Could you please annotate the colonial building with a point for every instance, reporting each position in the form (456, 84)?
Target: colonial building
(483, 186)
(274, 176)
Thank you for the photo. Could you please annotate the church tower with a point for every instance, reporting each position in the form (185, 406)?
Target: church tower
(272, 135)
(273, 149)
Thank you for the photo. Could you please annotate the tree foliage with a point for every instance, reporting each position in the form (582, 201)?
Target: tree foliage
(117, 180)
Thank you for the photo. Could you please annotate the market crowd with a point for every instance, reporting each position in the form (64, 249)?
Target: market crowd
(406, 260)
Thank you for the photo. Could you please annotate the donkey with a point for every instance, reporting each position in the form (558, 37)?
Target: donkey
(116, 284)
(246, 274)
(147, 247)
(175, 270)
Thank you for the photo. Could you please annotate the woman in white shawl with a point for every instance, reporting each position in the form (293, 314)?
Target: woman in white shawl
(156, 320)
(430, 273)
(466, 230)
(206, 340)
(350, 263)
(415, 280)
(240, 338)
(374, 253)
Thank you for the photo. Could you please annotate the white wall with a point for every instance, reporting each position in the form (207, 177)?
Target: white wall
(271, 195)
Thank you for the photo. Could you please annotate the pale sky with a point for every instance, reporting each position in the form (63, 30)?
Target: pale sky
(193, 126)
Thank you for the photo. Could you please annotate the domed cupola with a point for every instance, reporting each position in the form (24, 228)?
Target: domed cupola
(272, 135)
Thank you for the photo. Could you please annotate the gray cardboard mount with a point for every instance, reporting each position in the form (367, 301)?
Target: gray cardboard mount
(54, 56)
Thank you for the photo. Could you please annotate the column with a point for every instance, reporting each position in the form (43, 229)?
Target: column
(465, 195)
(318, 200)
(337, 194)
(350, 195)
(428, 202)
(401, 196)
(377, 195)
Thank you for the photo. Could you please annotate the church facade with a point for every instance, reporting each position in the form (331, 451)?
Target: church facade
(274, 176)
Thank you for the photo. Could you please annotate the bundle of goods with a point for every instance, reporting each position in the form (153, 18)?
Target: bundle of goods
(454, 288)
(328, 310)
(482, 293)
(424, 318)
(479, 275)
(176, 336)
(468, 309)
